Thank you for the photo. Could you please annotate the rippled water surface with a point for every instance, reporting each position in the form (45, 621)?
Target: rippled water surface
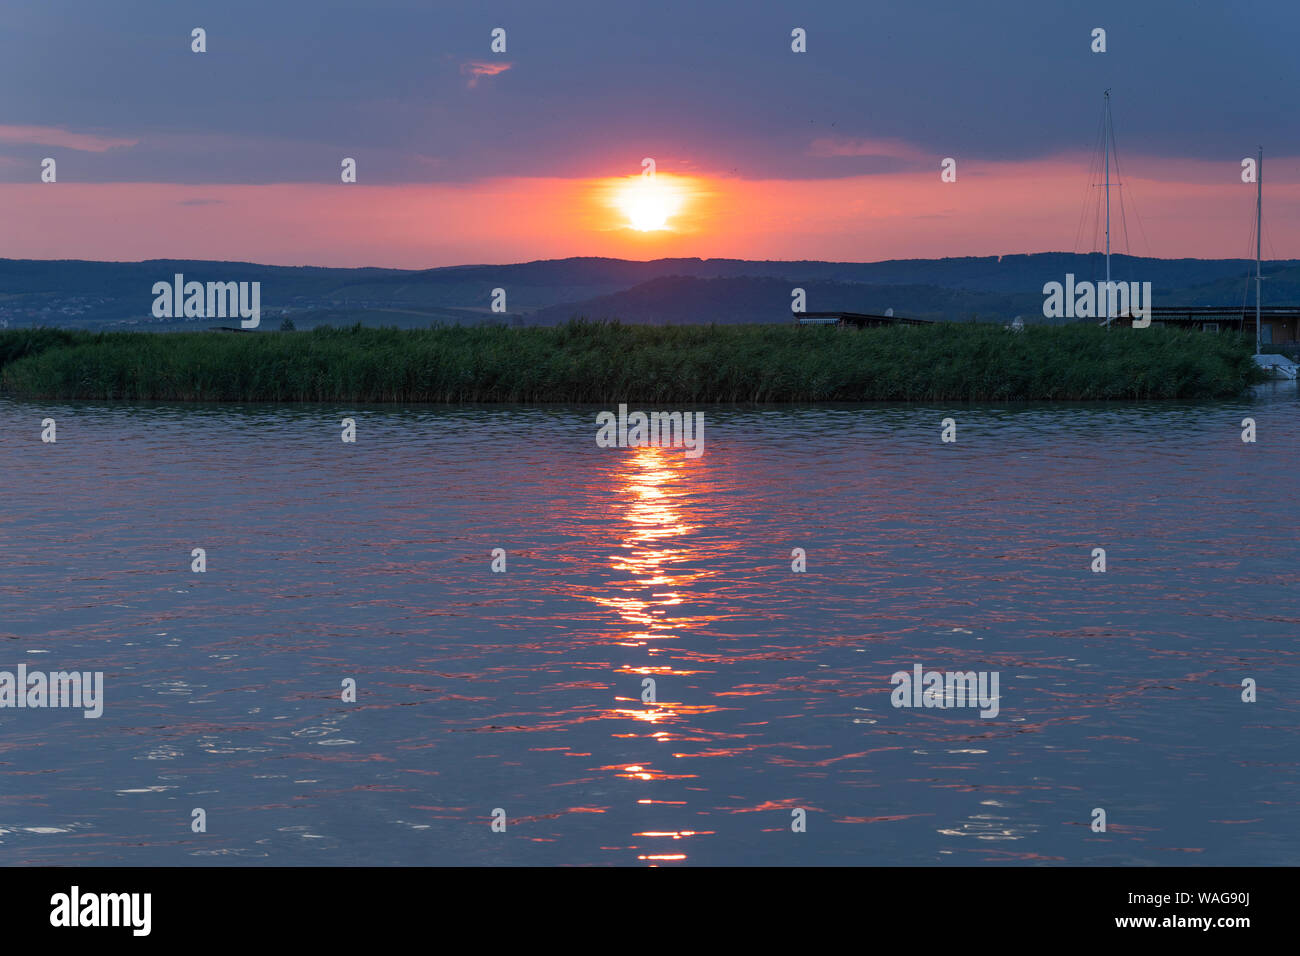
(522, 690)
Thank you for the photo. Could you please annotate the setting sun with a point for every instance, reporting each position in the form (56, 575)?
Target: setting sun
(649, 202)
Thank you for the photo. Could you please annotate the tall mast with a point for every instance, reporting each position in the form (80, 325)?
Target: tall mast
(1105, 135)
(1259, 229)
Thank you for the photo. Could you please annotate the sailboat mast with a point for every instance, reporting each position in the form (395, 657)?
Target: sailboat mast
(1105, 135)
(1259, 229)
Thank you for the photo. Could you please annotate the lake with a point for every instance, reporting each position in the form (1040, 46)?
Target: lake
(771, 736)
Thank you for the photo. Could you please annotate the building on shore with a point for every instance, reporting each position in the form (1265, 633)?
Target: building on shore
(1278, 325)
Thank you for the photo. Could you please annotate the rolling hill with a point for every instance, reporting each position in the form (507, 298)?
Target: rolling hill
(93, 295)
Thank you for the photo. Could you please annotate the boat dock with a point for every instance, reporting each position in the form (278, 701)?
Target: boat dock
(1277, 366)
(860, 320)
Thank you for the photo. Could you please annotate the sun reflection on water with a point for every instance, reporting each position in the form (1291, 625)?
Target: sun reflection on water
(650, 486)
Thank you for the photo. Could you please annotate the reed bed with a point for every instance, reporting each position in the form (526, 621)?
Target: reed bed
(607, 362)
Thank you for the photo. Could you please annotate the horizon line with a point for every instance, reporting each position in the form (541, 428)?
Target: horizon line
(524, 262)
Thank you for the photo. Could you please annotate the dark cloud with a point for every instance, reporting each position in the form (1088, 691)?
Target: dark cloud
(286, 89)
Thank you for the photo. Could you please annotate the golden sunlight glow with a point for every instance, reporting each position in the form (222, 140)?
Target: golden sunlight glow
(647, 554)
(652, 489)
(649, 201)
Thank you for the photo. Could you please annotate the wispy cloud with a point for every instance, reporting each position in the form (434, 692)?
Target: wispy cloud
(53, 136)
(829, 146)
(476, 69)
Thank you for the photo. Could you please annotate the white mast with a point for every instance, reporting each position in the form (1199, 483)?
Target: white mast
(1259, 229)
(1105, 135)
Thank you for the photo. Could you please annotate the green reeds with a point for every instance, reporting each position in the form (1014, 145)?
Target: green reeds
(583, 362)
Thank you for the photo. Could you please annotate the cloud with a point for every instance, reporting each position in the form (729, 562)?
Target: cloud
(475, 69)
(53, 136)
(829, 146)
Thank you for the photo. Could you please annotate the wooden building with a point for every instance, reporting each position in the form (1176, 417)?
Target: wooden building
(1280, 323)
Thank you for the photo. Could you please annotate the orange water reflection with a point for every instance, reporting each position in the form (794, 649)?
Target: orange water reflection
(648, 485)
(652, 487)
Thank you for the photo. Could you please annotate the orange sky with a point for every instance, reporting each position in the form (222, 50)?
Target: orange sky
(1187, 209)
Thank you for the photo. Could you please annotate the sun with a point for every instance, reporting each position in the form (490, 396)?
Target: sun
(649, 202)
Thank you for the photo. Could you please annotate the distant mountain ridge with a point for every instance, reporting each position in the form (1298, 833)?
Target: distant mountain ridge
(86, 294)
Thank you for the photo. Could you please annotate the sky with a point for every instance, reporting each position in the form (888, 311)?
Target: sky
(469, 155)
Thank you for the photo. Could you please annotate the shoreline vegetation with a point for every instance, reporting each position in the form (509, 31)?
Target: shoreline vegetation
(608, 362)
